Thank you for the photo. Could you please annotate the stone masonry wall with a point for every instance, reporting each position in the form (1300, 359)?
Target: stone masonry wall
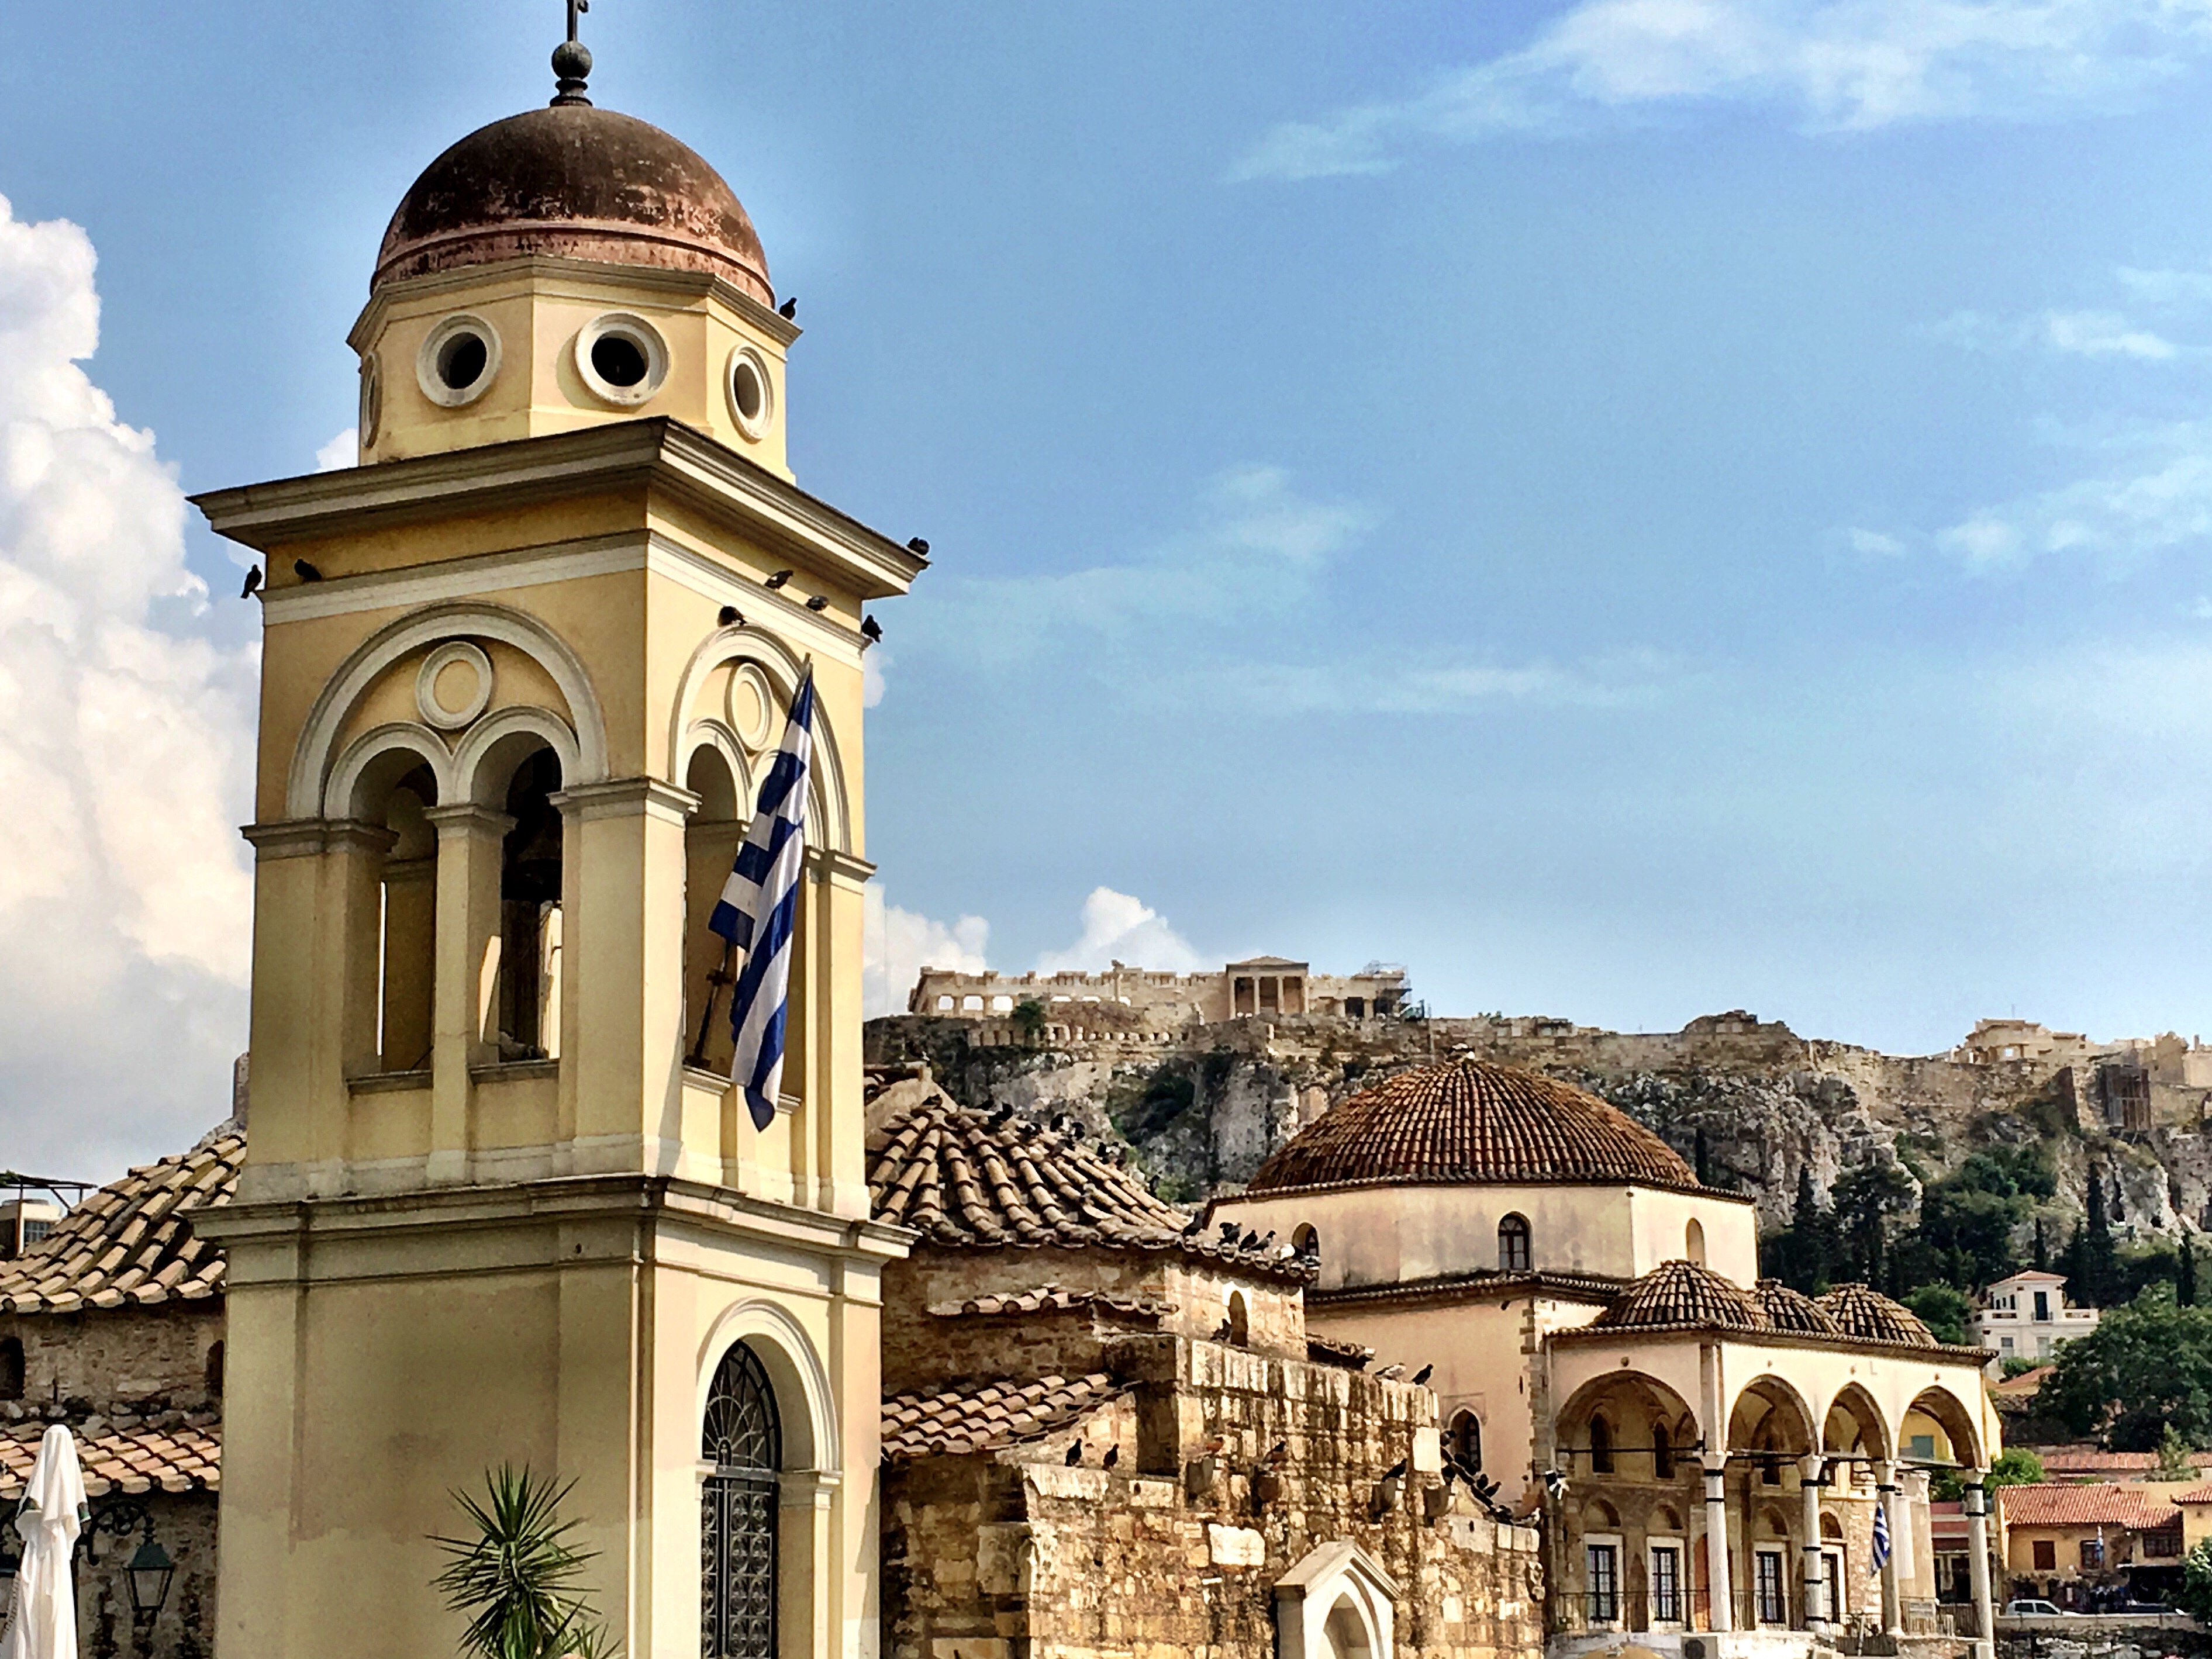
(185, 1526)
(91, 1362)
(1176, 1551)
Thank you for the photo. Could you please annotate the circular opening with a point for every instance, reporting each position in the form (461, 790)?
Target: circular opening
(619, 360)
(745, 387)
(462, 360)
(371, 400)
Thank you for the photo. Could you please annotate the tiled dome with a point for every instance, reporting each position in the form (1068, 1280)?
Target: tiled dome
(1869, 1315)
(1678, 1295)
(1470, 1122)
(1784, 1308)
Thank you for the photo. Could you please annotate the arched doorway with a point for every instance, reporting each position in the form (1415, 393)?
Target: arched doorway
(743, 1441)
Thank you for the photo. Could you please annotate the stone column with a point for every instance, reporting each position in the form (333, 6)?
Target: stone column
(1817, 1613)
(1977, 1506)
(1887, 1494)
(466, 934)
(1720, 1612)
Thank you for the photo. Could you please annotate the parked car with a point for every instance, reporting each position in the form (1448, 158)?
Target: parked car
(2030, 1610)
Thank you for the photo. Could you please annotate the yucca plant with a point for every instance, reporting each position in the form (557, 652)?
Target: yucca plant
(516, 1578)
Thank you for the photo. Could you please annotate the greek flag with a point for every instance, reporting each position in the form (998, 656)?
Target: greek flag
(1881, 1536)
(759, 903)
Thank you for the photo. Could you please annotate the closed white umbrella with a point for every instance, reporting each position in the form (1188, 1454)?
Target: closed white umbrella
(42, 1621)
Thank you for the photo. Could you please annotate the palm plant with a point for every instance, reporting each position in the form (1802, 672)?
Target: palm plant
(516, 1576)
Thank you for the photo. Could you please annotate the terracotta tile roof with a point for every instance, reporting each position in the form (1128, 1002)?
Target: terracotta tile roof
(1327, 1351)
(987, 1417)
(1784, 1308)
(960, 1178)
(1681, 1295)
(186, 1457)
(2084, 1504)
(1478, 1286)
(2094, 1460)
(1469, 1121)
(1051, 1299)
(1870, 1316)
(2200, 1495)
(131, 1245)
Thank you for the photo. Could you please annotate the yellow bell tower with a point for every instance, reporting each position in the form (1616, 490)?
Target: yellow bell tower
(523, 668)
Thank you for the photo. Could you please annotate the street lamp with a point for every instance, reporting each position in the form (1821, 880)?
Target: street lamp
(150, 1570)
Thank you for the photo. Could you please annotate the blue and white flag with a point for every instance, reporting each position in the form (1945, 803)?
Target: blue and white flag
(1881, 1536)
(759, 905)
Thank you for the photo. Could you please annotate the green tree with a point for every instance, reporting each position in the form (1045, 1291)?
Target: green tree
(515, 1574)
(2014, 1467)
(1945, 1309)
(2184, 1283)
(2196, 1596)
(2175, 1460)
(1028, 1018)
(1868, 1199)
(2041, 1259)
(2147, 1366)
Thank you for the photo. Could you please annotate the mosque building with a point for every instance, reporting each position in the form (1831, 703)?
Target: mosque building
(1475, 1367)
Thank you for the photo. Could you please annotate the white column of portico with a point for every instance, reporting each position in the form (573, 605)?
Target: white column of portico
(1977, 1506)
(1886, 1493)
(1816, 1580)
(1720, 1611)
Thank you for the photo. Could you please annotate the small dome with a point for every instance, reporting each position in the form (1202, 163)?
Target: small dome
(580, 182)
(1784, 1308)
(1675, 1294)
(1871, 1316)
(1467, 1122)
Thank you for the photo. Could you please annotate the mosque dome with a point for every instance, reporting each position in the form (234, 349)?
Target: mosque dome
(1681, 1295)
(1869, 1315)
(1471, 1123)
(575, 181)
(1784, 1308)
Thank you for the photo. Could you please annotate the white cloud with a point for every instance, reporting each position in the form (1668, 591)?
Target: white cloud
(341, 452)
(126, 749)
(1118, 928)
(2154, 492)
(1874, 543)
(2168, 287)
(898, 944)
(873, 662)
(2103, 334)
(1832, 65)
(1259, 547)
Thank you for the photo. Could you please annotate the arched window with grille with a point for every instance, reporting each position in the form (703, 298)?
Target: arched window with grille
(1513, 1244)
(743, 1442)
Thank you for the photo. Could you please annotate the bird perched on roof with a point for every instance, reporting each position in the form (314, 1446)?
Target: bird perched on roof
(731, 617)
(1221, 1331)
(1000, 1118)
(819, 602)
(1269, 1239)
(918, 544)
(1279, 1451)
(1395, 1470)
(1197, 1226)
(1228, 1233)
(1112, 1456)
(1074, 1454)
(1390, 1373)
(788, 309)
(778, 579)
(252, 581)
(306, 572)
(1249, 1241)
(872, 630)
(1424, 1373)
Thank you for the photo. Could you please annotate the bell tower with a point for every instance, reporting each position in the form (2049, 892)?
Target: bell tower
(523, 669)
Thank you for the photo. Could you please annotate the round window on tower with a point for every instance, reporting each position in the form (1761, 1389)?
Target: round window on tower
(752, 394)
(372, 400)
(621, 358)
(458, 361)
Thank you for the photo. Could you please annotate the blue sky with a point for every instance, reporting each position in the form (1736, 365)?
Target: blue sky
(1631, 509)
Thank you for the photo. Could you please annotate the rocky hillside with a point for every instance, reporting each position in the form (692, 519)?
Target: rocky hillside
(1200, 1107)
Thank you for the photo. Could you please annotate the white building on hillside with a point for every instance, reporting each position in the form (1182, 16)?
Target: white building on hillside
(2025, 1318)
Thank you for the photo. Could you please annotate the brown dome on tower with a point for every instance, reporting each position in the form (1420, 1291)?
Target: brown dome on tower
(578, 182)
(1468, 1123)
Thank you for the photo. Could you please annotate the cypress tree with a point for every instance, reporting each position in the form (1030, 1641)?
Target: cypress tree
(2185, 1289)
(2097, 1244)
(1808, 1244)
(2042, 1258)
(1704, 1159)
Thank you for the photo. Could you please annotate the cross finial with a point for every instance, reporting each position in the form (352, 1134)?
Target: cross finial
(572, 60)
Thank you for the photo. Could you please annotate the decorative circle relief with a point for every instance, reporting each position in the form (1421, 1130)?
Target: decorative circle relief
(753, 707)
(372, 400)
(621, 357)
(453, 685)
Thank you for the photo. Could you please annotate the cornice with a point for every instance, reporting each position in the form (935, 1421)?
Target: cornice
(657, 454)
(679, 284)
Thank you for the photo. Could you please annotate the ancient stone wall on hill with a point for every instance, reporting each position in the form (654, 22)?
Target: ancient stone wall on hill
(1203, 1110)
